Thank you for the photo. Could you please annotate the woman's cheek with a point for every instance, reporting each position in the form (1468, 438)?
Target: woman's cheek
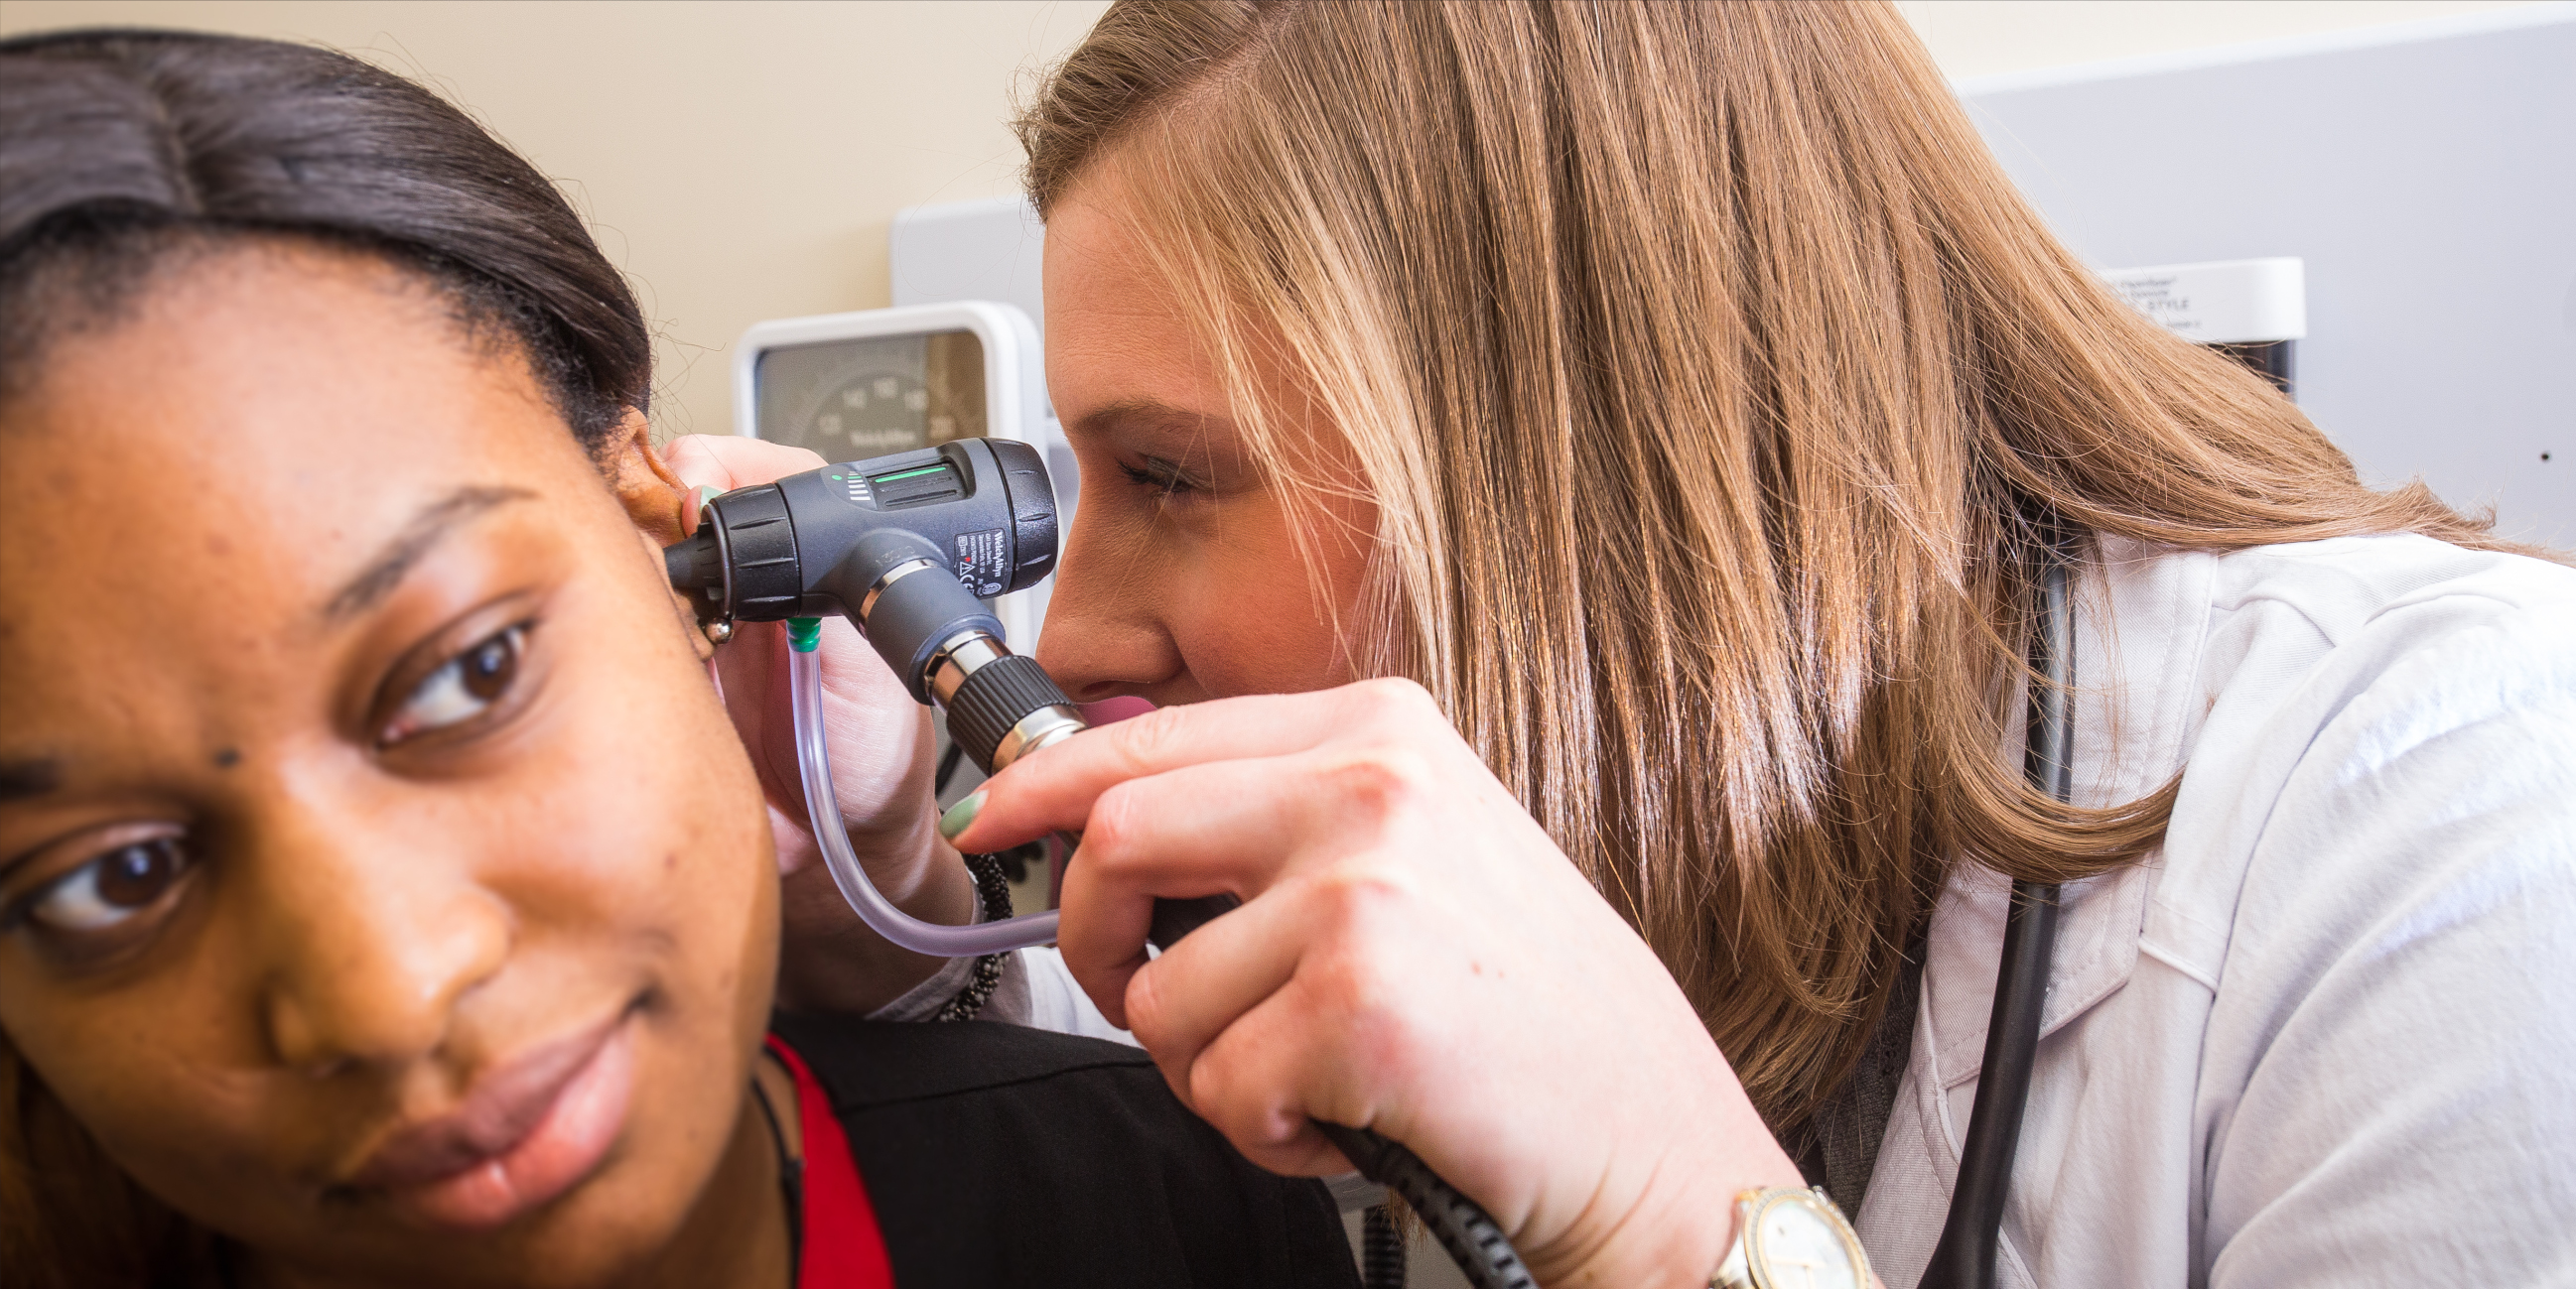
(656, 798)
(1256, 637)
(694, 827)
(1252, 622)
(167, 1091)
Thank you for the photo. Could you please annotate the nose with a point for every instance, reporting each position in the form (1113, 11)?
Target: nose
(1104, 634)
(370, 942)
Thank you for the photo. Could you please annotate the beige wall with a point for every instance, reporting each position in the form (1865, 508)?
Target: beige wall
(744, 160)
(739, 160)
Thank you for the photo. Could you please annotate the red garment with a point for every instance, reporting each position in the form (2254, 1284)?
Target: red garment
(843, 1247)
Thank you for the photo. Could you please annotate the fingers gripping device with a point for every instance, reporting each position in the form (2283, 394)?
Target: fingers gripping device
(907, 547)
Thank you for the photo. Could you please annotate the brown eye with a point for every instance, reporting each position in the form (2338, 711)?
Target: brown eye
(489, 666)
(111, 888)
(465, 687)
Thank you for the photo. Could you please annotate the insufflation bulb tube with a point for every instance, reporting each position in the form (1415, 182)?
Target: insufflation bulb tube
(823, 809)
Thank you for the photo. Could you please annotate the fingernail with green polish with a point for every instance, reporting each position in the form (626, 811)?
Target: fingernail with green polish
(961, 816)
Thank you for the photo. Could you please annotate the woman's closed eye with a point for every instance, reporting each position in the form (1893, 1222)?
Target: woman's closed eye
(464, 687)
(1162, 477)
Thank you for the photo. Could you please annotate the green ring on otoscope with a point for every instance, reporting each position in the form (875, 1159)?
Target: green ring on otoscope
(804, 633)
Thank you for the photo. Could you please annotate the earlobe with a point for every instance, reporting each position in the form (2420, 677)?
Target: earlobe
(655, 499)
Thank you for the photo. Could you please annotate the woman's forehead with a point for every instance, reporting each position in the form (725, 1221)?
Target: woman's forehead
(292, 399)
(238, 452)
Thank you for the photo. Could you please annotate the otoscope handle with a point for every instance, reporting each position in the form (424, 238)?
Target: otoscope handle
(1176, 918)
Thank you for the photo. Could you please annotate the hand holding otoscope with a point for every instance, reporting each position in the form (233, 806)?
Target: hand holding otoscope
(904, 546)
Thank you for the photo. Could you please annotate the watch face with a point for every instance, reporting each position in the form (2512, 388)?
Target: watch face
(1794, 1244)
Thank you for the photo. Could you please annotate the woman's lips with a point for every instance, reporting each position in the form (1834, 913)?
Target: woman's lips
(524, 1135)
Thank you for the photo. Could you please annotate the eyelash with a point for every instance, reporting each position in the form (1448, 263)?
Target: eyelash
(1162, 476)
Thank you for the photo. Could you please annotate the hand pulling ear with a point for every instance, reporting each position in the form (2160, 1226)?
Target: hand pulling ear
(663, 509)
(661, 506)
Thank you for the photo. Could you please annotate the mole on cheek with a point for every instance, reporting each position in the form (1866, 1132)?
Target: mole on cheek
(227, 758)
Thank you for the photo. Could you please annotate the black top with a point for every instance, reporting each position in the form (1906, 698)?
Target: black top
(1000, 1155)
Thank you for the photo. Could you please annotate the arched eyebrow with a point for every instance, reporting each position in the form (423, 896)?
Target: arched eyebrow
(435, 520)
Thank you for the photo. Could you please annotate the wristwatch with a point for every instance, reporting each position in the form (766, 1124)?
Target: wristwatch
(1790, 1238)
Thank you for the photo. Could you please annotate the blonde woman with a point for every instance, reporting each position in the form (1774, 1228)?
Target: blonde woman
(1606, 434)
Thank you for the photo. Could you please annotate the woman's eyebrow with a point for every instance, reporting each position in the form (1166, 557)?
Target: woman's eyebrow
(435, 520)
(1145, 416)
(20, 780)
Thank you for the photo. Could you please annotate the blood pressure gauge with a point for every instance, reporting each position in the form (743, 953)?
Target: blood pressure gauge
(854, 386)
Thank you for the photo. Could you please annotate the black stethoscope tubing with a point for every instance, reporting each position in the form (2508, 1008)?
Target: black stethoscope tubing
(1965, 1257)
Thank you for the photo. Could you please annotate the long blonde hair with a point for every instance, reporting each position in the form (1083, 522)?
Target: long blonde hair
(1702, 367)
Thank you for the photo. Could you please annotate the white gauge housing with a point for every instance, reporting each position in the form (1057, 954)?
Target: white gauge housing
(881, 370)
(2221, 302)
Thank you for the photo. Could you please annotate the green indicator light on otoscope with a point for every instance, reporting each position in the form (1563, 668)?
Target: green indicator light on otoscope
(909, 474)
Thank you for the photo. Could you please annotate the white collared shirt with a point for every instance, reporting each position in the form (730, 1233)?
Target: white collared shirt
(2328, 1035)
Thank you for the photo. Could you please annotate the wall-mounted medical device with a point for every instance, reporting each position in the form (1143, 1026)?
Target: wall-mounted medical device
(2421, 172)
(2254, 310)
(882, 381)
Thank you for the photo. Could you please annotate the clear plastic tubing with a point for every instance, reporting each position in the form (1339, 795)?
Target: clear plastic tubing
(814, 763)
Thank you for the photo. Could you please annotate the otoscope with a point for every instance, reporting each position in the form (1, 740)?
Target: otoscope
(907, 547)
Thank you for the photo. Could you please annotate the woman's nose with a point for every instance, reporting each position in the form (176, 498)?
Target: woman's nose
(1103, 634)
(370, 944)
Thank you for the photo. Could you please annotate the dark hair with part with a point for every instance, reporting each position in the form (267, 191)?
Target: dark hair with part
(125, 152)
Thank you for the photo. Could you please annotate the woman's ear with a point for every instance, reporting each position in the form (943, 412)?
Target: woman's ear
(659, 504)
(645, 484)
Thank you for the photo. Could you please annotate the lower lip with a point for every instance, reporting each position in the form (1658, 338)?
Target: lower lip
(563, 1148)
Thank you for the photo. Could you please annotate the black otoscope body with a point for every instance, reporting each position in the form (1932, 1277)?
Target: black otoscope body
(906, 547)
(903, 546)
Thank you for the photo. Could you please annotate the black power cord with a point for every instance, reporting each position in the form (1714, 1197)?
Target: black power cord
(1461, 1225)
(947, 767)
(1381, 1250)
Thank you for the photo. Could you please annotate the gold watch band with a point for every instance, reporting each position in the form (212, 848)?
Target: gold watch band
(1751, 1264)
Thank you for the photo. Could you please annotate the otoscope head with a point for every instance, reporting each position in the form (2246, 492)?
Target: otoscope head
(906, 547)
(982, 508)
